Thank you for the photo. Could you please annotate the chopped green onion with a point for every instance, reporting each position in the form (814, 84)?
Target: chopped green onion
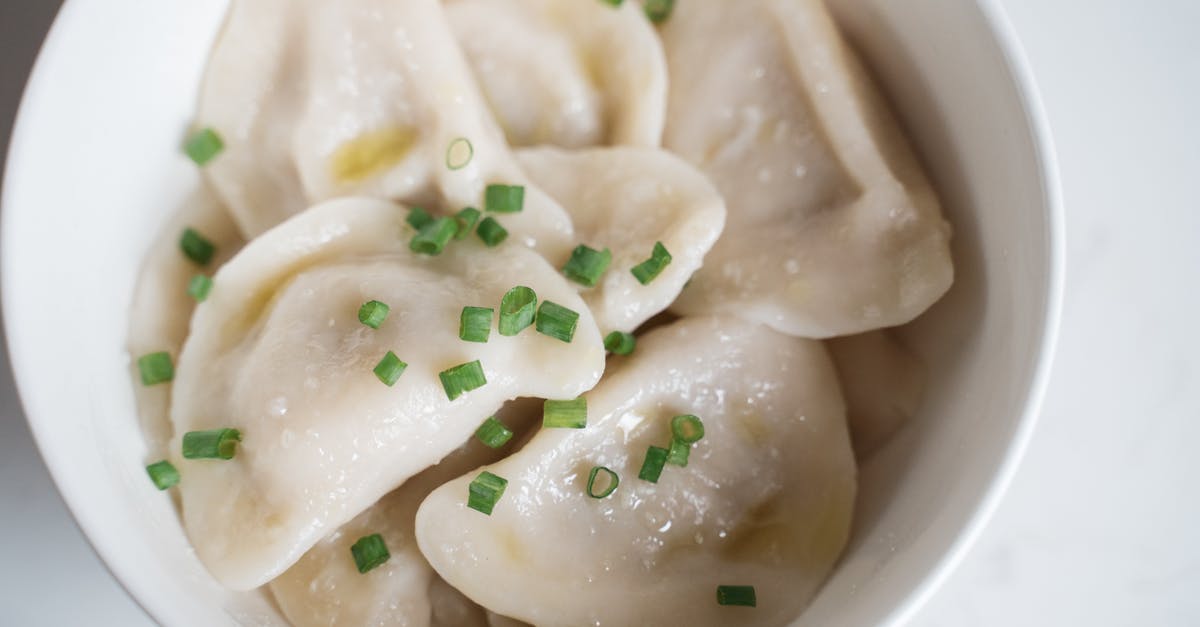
(620, 343)
(736, 595)
(202, 146)
(475, 324)
(586, 265)
(459, 153)
(163, 474)
(199, 287)
(613, 482)
(369, 552)
(418, 218)
(493, 433)
(462, 378)
(687, 428)
(211, 444)
(156, 368)
(504, 198)
(372, 313)
(433, 237)
(196, 247)
(556, 321)
(652, 466)
(659, 10)
(466, 220)
(615, 3)
(485, 491)
(570, 414)
(491, 232)
(678, 453)
(518, 308)
(649, 269)
(389, 369)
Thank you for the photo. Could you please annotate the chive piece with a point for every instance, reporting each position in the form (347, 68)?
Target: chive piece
(649, 269)
(678, 453)
(369, 552)
(373, 313)
(475, 324)
(586, 265)
(459, 153)
(203, 145)
(466, 220)
(163, 474)
(199, 287)
(491, 232)
(418, 218)
(687, 428)
(659, 10)
(493, 433)
(196, 247)
(652, 466)
(570, 414)
(613, 482)
(211, 444)
(389, 369)
(433, 237)
(556, 321)
(517, 310)
(620, 343)
(462, 378)
(156, 368)
(615, 3)
(736, 595)
(504, 198)
(485, 491)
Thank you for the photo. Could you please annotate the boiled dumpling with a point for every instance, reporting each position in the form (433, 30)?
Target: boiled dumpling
(570, 73)
(278, 352)
(833, 228)
(765, 499)
(626, 199)
(883, 383)
(319, 99)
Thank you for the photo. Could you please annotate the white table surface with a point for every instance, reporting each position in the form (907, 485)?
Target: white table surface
(1099, 527)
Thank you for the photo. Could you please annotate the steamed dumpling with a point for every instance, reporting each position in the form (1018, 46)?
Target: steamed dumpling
(883, 383)
(626, 199)
(765, 499)
(569, 73)
(277, 351)
(319, 99)
(833, 228)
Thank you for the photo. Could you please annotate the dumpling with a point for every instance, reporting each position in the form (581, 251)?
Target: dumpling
(570, 73)
(833, 228)
(317, 100)
(765, 499)
(278, 352)
(883, 383)
(626, 199)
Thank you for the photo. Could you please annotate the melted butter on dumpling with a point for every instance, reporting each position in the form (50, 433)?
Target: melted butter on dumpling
(277, 351)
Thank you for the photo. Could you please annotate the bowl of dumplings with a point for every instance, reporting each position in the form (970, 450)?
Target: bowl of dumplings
(545, 312)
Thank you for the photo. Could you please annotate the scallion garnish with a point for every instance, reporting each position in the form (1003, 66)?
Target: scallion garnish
(570, 414)
(163, 474)
(466, 220)
(678, 453)
(504, 198)
(620, 343)
(418, 218)
(493, 433)
(475, 324)
(485, 491)
(652, 466)
(659, 10)
(462, 378)
(196, 247)
(518, 308)
(203, 145)
(556, 321)
(211, 444)
(459, 153)
(156, 368)
(736, 595)
(687, 428)
(491, 232)
(198, 287)
(609, 488)
(433, 237)
(586, 265)
(369, 552)
(372, 313)
(649, 269)
(389, 369)
(615, 3)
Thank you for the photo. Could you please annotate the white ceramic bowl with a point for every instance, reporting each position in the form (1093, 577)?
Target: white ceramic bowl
(95, 170)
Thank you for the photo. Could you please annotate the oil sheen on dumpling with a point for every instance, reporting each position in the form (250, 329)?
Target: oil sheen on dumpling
(765, 499)
(883, 383)
(569, 73)
(833, 228)
(319, 99)
(626, 199)
(278, 352)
